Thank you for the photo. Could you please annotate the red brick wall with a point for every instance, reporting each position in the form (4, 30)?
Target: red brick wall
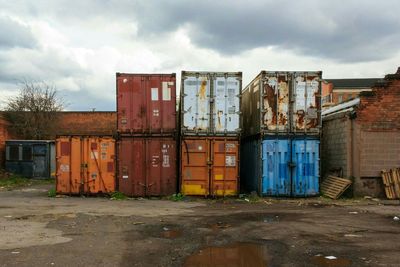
(4, 135)
(86, 123)
(380, 109)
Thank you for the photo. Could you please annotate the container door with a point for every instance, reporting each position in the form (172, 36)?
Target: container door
(161, 97)
(305, 174)
(226, 104)
(306, 93)
(196, 104)
(224, 173)
(161, 175)
(195, 167)
(40, 163)
(132, 166)
(70, 168)
(131, 103)
(276, 102)
(276, 174)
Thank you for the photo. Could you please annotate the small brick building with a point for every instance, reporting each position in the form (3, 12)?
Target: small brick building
(69, 122)
(361, 137)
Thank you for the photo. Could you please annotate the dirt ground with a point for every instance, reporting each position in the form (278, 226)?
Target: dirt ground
(36, 230)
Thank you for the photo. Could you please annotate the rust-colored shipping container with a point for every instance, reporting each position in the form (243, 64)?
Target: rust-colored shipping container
(85, 165)
(210, 166)
(146, 103)
(283, 103)
(147, 166)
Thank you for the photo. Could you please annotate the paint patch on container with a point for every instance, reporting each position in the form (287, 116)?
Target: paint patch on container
(94, 155)
(64, 168)
(154, 94)
(230, 161)
(125, 80)
(166, 91)
(200, 148)
(219, 177)
(125, 176)
(156, 113)
(229, 147)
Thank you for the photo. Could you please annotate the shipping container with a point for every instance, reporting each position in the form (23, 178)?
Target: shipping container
(280, 166)
(31, 158)
(209, 166)
(210, 103)
(146, 103)
(283, 103)
(147, 166)
(85, 165)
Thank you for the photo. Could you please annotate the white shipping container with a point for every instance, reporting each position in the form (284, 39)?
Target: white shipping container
(210, 103)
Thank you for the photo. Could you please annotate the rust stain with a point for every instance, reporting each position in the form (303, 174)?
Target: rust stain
(202, 92)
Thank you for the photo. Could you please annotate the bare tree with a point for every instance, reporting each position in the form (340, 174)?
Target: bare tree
(33, 112)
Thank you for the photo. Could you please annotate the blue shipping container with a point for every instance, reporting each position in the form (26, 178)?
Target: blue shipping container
(280, 167)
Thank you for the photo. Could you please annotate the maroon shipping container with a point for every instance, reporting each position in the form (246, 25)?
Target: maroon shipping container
(147, 166)
(146, 103)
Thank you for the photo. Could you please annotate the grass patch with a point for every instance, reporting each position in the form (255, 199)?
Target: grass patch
(118, 196)
(52, 193)
(177, 197)
(12, 181)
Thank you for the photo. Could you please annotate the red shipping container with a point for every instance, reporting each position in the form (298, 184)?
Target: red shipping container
(147, 166)
(146, 103)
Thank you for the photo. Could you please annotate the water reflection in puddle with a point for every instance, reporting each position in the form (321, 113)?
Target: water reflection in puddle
(239, 254)
(320, 260)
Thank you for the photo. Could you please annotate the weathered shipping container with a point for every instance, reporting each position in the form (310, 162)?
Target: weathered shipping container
(31, 158)
(275, 166)
(147, 166)
(283, 103)
(210, 103)
(209, 166)
(146, 103)
(85, 165)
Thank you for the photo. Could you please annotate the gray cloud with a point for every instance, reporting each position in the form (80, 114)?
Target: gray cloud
(352, 31)
(15, 34)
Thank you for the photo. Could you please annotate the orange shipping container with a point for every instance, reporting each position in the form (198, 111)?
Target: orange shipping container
(85, 165)
(210, 166)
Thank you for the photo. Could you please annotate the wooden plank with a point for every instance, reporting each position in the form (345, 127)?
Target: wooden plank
(391, 183)
(334, 187)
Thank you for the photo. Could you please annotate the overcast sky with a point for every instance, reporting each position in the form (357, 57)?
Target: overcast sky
(79, 45)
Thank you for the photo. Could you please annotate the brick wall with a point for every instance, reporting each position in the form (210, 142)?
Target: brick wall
(86, 123)
(4, 135)
(335, 144)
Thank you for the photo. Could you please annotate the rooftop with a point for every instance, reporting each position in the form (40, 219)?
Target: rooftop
(353, 83)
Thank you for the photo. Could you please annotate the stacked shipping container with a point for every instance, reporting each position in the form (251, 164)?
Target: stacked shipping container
(147, 136)
(282, 122)
(210, 127)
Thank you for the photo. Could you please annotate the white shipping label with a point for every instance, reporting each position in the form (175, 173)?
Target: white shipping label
(166, 91)
(64, 167)
(230, 161)
(154, 94)
(125, 176)
(165, 162)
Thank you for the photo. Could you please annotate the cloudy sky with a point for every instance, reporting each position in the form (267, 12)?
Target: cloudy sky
(79, 45)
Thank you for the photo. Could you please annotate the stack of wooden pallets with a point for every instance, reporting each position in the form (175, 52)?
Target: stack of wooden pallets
(391, 181)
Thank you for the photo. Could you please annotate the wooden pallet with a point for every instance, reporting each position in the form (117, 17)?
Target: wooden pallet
(334, 187)
(391, 181)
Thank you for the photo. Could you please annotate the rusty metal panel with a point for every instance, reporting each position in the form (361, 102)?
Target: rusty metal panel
(84, 165)
(210, 103)
(146, 103)
(307, 102)
(283, 103)
(209, 166)
(147, 166)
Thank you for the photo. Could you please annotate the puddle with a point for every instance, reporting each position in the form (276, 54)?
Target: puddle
(329, 261)
(171, 233)
(239, 254)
